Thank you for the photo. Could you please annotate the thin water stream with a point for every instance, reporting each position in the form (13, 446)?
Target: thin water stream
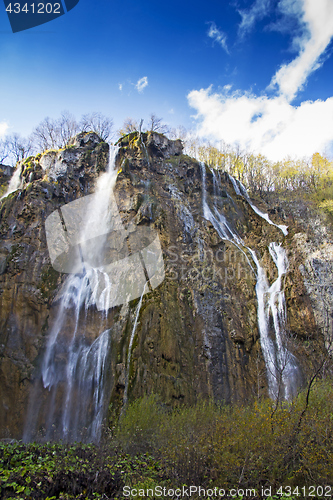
(281, 365)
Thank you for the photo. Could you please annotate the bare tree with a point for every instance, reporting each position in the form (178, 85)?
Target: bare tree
(156, 125)
(4, 149)
(98, 123)
(55, 134)
(46, 135)
(19, 147)
(67, 128)
(129, 126)
(15, 148)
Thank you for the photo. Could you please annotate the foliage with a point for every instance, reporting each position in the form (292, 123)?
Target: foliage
(250, 445)
(244, 446)
(60, 471)
(306, 178)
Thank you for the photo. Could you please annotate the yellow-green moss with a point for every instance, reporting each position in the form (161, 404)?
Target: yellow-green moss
(49, 281)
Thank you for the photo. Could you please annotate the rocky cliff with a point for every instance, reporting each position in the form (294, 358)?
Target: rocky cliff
(196, 334)
(5, 174)
(312, 244)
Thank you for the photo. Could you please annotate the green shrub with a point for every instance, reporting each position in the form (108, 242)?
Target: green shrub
(241, 446)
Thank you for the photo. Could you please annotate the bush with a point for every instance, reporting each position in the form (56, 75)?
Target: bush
(248, 447)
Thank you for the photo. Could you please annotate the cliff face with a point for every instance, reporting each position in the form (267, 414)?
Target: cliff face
(196, 334)
(311, 246)
(5, 174)
(27, 280)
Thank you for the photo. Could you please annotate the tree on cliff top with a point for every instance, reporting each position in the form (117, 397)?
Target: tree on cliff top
(14, 148)
(98, 123)
(56, 134)
(129, 125)
(156, 125)
(4, 150)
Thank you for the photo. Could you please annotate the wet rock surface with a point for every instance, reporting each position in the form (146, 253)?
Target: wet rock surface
(197, 332)
(311, 257)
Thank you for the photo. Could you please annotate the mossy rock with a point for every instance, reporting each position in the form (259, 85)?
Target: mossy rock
(49, 281)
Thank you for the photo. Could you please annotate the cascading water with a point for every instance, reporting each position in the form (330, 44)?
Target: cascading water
(15, 182)
(281, 365)
(282, 370)
(129, 353)
(240, 190)
(109, 265)
(218, 220)
(75, 366)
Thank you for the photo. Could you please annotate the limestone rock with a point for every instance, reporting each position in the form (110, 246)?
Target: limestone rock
(197, 333)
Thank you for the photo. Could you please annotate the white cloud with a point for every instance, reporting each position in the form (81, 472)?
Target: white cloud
(258, 11)
(141, 84)
(120, 86)
(218, 36)
(271, 126)
(3, 128)
(317, 19)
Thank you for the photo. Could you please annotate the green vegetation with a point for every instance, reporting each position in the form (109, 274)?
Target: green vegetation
(310, 179)
(249, 445)
(245, 447)
(3, 188)
(49, 281)
(59, 471)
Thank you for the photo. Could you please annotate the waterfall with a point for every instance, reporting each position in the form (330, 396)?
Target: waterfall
(15, 182)
(281, 365)
(108, 265)
(240, 190)
(75, 367)
(218, 220)
(129, 353)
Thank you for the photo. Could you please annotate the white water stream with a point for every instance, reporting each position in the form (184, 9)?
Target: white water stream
(75, 365)
(108, 265)
(129, 352)
(240, 190)
(281, 365)
(15, 182)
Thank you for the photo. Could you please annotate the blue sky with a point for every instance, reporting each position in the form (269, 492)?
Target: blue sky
(257, 73)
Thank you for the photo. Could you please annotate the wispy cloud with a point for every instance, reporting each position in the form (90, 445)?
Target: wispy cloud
(141, 84)
(258, 10)
(3, 128)
(317, 20)
(218, 36)
(120, 86)
(272, 125)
